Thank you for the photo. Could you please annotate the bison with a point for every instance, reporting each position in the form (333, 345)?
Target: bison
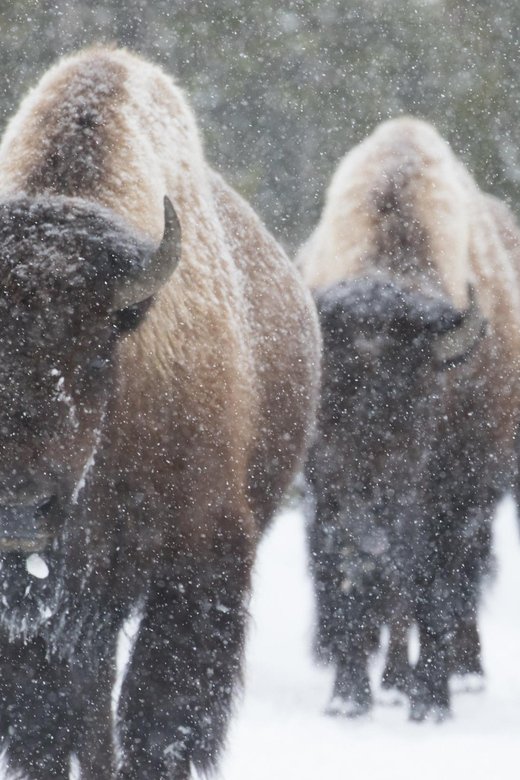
(158, 378)
(416, 275)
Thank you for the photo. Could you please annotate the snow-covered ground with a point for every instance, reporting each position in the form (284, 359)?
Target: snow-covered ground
(280, 731)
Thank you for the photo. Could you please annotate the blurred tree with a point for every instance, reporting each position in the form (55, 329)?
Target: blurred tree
(283, 91)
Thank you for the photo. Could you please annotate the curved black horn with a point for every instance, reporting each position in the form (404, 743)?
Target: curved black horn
(458, 342)
(159, 267)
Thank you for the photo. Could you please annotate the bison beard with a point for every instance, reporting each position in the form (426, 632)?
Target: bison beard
(151, 419)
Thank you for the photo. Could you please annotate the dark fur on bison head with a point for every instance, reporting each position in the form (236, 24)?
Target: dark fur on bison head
(63, 265)
(60, 262)
(384, 348)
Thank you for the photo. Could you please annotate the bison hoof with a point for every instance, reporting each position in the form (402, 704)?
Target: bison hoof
(397, 680)
(346, 708)
(421, 711)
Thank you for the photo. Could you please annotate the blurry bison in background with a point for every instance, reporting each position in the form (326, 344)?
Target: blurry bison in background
(158, 379)
(417, 282)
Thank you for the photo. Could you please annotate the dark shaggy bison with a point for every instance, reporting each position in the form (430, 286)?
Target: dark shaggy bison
(417, 290)
(157, 384)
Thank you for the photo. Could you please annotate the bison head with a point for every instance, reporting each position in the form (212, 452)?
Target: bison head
(385, 351)
(73, 279)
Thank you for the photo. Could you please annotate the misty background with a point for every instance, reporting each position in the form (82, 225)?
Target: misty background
(283, 90)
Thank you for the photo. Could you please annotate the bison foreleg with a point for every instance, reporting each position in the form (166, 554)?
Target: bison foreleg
(177, 693)
(397, 674)
(36, 722)
(429, 695)
(352, 648)
(93, 672)
(351, 694)
(347, 610)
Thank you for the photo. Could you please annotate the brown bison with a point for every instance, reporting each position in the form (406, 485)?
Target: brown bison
(416, 275)
(158, 376)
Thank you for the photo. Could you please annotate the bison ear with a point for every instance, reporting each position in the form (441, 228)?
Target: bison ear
(456, 344)
(158, 267)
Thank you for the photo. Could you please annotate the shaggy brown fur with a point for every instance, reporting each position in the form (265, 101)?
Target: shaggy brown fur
(407, 452)
(196, 407)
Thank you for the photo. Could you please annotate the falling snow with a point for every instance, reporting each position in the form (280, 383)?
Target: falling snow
(418, 238)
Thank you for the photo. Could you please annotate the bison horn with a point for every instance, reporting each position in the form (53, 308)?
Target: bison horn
(160, 266)
(457, 343)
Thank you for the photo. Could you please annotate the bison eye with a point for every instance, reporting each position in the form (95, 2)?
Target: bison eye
(128, 319)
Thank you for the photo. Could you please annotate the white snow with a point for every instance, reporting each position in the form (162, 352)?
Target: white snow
(80, 484)
(280, 731)
(67, 399)
(36, 566)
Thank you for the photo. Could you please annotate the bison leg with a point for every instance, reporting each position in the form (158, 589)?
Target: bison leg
(448, 633)
(459, 558)
(466, 651)
(348, 613)
(177, 693)
(465, 662)
(93, 677)
(429, 695)
(351, 695)
(355, 638)
(95, 745)
(397, 672)
(349, 630)
(36, 722)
